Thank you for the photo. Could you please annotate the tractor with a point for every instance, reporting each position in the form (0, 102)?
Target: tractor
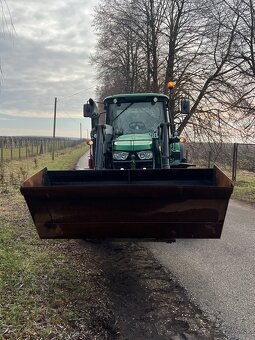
(138, 133)
(139, 185)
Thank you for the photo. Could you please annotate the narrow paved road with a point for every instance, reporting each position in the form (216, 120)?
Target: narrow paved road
(219, 275)
(83, 162)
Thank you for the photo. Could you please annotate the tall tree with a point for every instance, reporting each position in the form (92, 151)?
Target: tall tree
(146, 43)
(137, 26)
(6, 24)
(245, 59)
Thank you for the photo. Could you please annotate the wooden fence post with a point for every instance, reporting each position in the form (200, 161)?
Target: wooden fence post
(2, 151)
(11, 149)
(26, 148)
(41, 147)
(19, 149)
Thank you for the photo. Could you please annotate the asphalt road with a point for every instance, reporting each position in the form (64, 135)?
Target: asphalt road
(219, 275)
(83, 162)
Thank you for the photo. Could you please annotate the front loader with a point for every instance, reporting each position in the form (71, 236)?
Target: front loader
(139, 185)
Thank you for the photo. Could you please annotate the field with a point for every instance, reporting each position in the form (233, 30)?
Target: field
(12, 173)
(17, 148)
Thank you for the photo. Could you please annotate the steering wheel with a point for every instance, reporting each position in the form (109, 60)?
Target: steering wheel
(137, 125)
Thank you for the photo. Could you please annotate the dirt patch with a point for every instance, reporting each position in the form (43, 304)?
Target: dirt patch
(146, 302)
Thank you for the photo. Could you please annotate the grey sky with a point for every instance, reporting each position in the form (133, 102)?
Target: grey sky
(47, 56)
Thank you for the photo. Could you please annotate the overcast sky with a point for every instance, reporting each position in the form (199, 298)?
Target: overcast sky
(47, 56)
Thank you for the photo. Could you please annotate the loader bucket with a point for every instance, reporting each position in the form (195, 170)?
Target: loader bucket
(161, 204)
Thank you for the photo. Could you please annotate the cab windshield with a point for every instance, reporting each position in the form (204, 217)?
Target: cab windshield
(143, 117)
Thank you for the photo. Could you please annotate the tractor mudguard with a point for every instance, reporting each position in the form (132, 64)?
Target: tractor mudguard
(156, 204)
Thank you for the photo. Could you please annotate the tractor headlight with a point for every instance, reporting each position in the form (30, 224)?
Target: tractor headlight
(120, 155)
(145, 154)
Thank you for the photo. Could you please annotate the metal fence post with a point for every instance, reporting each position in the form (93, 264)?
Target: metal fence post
(234, 163)
(209, 158)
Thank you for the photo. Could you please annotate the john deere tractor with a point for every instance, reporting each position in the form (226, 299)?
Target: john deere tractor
(138, 133)
(138, 186)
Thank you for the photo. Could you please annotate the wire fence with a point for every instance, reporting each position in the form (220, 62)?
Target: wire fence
(233, 158)
(17, 148)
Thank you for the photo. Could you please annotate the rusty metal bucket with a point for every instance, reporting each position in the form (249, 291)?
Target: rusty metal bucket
(128, 204)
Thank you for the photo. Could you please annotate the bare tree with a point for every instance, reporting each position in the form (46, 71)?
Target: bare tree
(117, 52)
(136, 26)
(245, 58)
(196, 43)
(6, 24)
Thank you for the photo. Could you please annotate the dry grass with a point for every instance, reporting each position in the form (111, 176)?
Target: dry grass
(245, 187)
(14, 172)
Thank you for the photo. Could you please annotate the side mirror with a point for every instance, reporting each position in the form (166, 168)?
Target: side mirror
(89, 109)
(185, 106)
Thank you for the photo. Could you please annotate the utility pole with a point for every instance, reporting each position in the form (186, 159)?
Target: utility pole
(80, 130)
(54, 128)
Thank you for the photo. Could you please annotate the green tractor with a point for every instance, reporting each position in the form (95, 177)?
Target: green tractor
(138, 133)
(138, 186)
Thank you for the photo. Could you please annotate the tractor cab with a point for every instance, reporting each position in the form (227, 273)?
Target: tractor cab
(135, 120)
(136, 114)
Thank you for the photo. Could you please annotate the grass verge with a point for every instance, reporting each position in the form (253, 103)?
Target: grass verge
(245, 187)
(48, 289)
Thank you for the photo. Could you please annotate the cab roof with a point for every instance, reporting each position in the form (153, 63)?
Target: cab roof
(136, 96)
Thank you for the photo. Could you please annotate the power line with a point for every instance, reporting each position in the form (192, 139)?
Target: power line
(74, 94)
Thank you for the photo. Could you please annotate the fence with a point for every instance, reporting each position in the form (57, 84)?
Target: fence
(232, 158)
(16, 148)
